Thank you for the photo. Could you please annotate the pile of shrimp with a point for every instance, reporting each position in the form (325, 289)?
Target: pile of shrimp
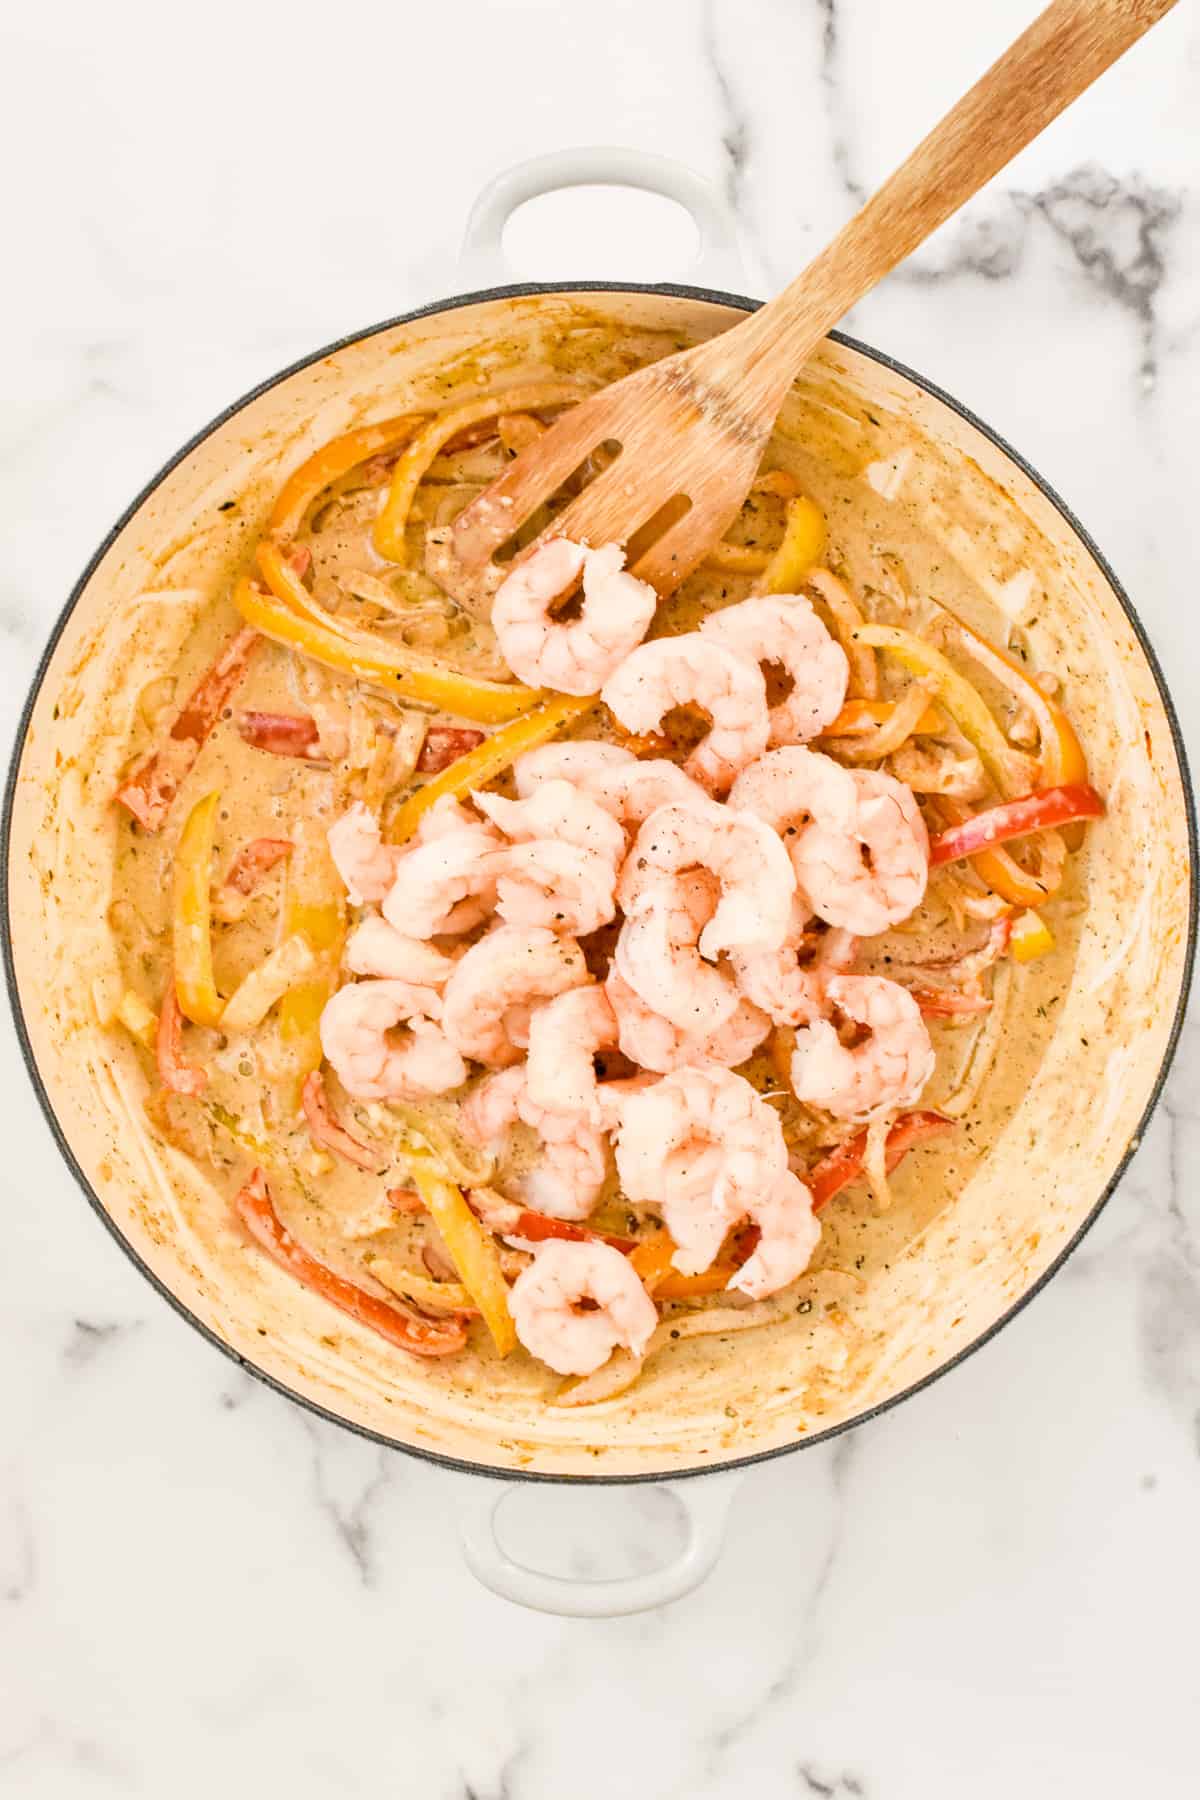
(624, 911)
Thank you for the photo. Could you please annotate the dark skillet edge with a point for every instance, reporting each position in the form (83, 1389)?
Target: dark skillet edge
(520, 291)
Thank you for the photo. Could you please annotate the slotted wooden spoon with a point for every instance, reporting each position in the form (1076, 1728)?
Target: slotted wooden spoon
(692, 427)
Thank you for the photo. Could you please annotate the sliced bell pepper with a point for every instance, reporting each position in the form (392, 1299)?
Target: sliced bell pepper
(150, 790)
(282, 734)
(318, 634)
(966, 706)
(801, 549)
(329, 464)
(507, 1218)
(437, 433)
(191, 915)
(653, 1259)
(489, 759)
(471, 1249)
(443, 745)
(314, 909)
(845, 1164)
(328, 1132)
(846, 617)
(177, 1076)
(255, 860)
(1031, 936)
(408, 1330)
(858, 717)
(1043, 811)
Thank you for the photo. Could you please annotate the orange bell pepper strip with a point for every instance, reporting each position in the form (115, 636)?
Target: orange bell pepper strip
(191, 915)
(653, 1261)
(471, 1249)
(410, 1331)
(1043, 811)
(314, 909)
(489, 759)
(329, 464)
(310, 629)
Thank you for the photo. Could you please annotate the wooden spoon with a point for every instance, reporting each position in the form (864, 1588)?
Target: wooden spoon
(692, 427)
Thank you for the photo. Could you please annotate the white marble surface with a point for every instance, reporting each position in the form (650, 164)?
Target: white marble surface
(991, 1591)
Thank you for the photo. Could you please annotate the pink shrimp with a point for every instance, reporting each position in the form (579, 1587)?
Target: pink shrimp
(754, 878)
(782, 629)
(446, 884)
(572, 1166)
(627, 787)
(562, 869)
(376, 948)
(651, 1041)
(490, 996)
(578, 656)
(545, 1302)
(355, 1036)
(365, 863)
(657, 954)
(700, 1145)
(789, 1235)
(674, 671)
(884, 1074)
(564, 1038)
(858, 843)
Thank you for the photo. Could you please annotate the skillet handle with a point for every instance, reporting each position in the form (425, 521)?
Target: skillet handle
(704, 1503)
(718, 263)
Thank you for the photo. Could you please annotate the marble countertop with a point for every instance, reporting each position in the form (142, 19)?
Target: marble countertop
(992, 1590)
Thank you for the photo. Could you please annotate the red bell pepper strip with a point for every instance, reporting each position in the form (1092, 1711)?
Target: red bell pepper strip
(254, 860)
(283, 734)
(410, 1331)
(1016, 818)
(844, 1165)
(325, 1130)
(176, 1075)
(152, 787)
(443, 745)
(508, 1219)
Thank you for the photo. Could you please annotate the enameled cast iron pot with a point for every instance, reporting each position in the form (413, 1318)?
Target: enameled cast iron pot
(1020, 1213)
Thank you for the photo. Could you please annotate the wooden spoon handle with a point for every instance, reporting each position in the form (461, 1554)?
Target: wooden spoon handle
(1048, 66)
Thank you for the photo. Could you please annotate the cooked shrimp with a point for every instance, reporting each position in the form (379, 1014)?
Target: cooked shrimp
(790, 1233)
(783, 630)
(629, 788)
(573, 1164)
(648, 1039)
(557, 886)
(376, 948)
(885, 1073)
(700, 1145)
(789, 990)
(858, 843)
(556, 811)
(564, 1037)
(747, 859)
(673, 671)
(489, 998)
(657, 954)
(578, 656)
(545, 1305)
(365, 863)
(445, 885)
(355, 1036)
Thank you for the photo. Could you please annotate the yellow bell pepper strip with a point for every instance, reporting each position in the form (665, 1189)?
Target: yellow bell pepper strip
(804, 541)
(319, 635)
(891, 732)
(408, 1330)
(328, 1133)
(330, 463)
(1043, 811)
(191, 915)
(436, 1138)
(1031, 936)
(966, 706)
(150, 790)
(314, 909)
(858, 717)
(177, 1076)
(413, 464)
(489, 759)
(471, 1249)
(845, 1164)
